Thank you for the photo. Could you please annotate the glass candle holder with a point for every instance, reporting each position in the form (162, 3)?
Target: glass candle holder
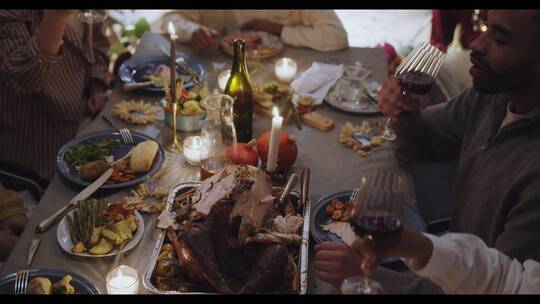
(122, 280)
(193, 149)
(285, 69)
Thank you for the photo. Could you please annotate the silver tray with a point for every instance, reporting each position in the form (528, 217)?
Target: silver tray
(304, 247)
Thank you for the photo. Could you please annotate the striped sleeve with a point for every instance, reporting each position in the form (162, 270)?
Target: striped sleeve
(101, 48)
(23, 66)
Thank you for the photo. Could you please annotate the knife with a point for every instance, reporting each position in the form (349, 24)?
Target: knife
(180, 62)
(48, 222)
(304, 177)
(288, 188)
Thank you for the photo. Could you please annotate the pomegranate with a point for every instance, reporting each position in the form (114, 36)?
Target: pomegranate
(245, 155)
(288, 151)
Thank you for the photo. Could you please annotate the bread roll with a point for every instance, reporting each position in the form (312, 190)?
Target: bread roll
(142, 156)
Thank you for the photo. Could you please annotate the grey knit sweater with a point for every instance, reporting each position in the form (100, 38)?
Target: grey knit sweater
(497, 187)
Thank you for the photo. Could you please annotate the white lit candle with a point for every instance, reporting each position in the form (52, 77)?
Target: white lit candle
(285, 69)
(223, 78)
(193, 149)
(277, 121)
(122, 280)
(172, 33)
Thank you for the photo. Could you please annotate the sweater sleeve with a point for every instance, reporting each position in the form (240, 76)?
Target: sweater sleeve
(320, 30)
(23, 66)
(99, 69)
(462, 263)
(435, 133)
(520, 237)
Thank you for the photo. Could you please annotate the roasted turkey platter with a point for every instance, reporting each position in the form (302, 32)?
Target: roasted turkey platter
(229, 235)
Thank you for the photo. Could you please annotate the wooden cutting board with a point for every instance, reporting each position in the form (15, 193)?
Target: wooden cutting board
(313, 119)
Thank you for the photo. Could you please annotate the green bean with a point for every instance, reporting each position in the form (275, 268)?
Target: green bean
(71, 230)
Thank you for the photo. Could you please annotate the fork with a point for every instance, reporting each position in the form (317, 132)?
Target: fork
(21, 279)
(354, 196)
(126, 135)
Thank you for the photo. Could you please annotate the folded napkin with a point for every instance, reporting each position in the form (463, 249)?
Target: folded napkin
(317, 80)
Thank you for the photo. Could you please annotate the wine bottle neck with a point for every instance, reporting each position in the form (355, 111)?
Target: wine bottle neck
(239, 63)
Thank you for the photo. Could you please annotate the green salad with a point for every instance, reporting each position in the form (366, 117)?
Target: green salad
(81, 154)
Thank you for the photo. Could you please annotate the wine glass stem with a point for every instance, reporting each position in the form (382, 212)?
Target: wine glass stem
(387, 122)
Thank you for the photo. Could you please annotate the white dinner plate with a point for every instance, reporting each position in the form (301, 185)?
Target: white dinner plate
(64, 239)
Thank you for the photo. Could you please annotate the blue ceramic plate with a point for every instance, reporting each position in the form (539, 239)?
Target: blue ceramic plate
(320, 217)
(70, 173)
(81, 285)
(131, 72)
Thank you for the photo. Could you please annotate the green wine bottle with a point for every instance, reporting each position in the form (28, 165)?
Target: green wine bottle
(240, 89)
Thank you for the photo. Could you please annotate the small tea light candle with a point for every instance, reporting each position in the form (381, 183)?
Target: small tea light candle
(193, 149)
(122, 280)
(223, 78)
(273, 152)
(285, 69)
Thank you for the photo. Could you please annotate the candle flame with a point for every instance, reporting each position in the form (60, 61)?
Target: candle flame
(275, 112)
(172, 30)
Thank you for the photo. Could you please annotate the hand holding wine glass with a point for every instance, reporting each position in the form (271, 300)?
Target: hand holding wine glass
(415, 75)
(377, 219)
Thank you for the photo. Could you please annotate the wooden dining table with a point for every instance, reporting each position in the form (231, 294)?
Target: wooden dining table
(334, 167)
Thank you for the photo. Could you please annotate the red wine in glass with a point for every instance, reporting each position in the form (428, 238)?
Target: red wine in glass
(415, 82)
(379, 227)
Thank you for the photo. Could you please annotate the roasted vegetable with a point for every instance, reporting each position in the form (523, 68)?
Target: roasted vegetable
(167, 268)
(167, 247)
(123, 230)
(96, 235)
(112, 236)
(39, 286)
(64, 286)
(79, 248)
(133, 223)
(92, 170)
(166, 255)
(84, 220)
(103, 247)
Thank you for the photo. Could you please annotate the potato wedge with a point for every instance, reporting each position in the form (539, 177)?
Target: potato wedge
(103, 247)
(112, 236)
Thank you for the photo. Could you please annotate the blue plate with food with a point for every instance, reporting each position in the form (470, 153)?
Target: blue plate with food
(87, 157)
(50, 281)
(156, 69)
(330, 220)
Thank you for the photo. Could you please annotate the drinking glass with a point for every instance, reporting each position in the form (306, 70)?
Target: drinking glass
(416, 75)
(91, 16)
(377, 218)
(218, 133)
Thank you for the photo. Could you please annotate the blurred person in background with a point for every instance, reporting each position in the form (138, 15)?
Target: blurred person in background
(320, 30)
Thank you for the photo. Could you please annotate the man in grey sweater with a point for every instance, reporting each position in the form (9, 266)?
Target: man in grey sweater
(493, 130)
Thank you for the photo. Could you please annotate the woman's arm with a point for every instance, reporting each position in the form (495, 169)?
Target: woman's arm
(27, 57)
(320, 30)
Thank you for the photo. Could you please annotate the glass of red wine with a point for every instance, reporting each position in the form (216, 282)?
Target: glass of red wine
(376, 218)
(415, 75)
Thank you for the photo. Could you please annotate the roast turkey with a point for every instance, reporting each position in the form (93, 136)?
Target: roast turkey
(226, 246)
